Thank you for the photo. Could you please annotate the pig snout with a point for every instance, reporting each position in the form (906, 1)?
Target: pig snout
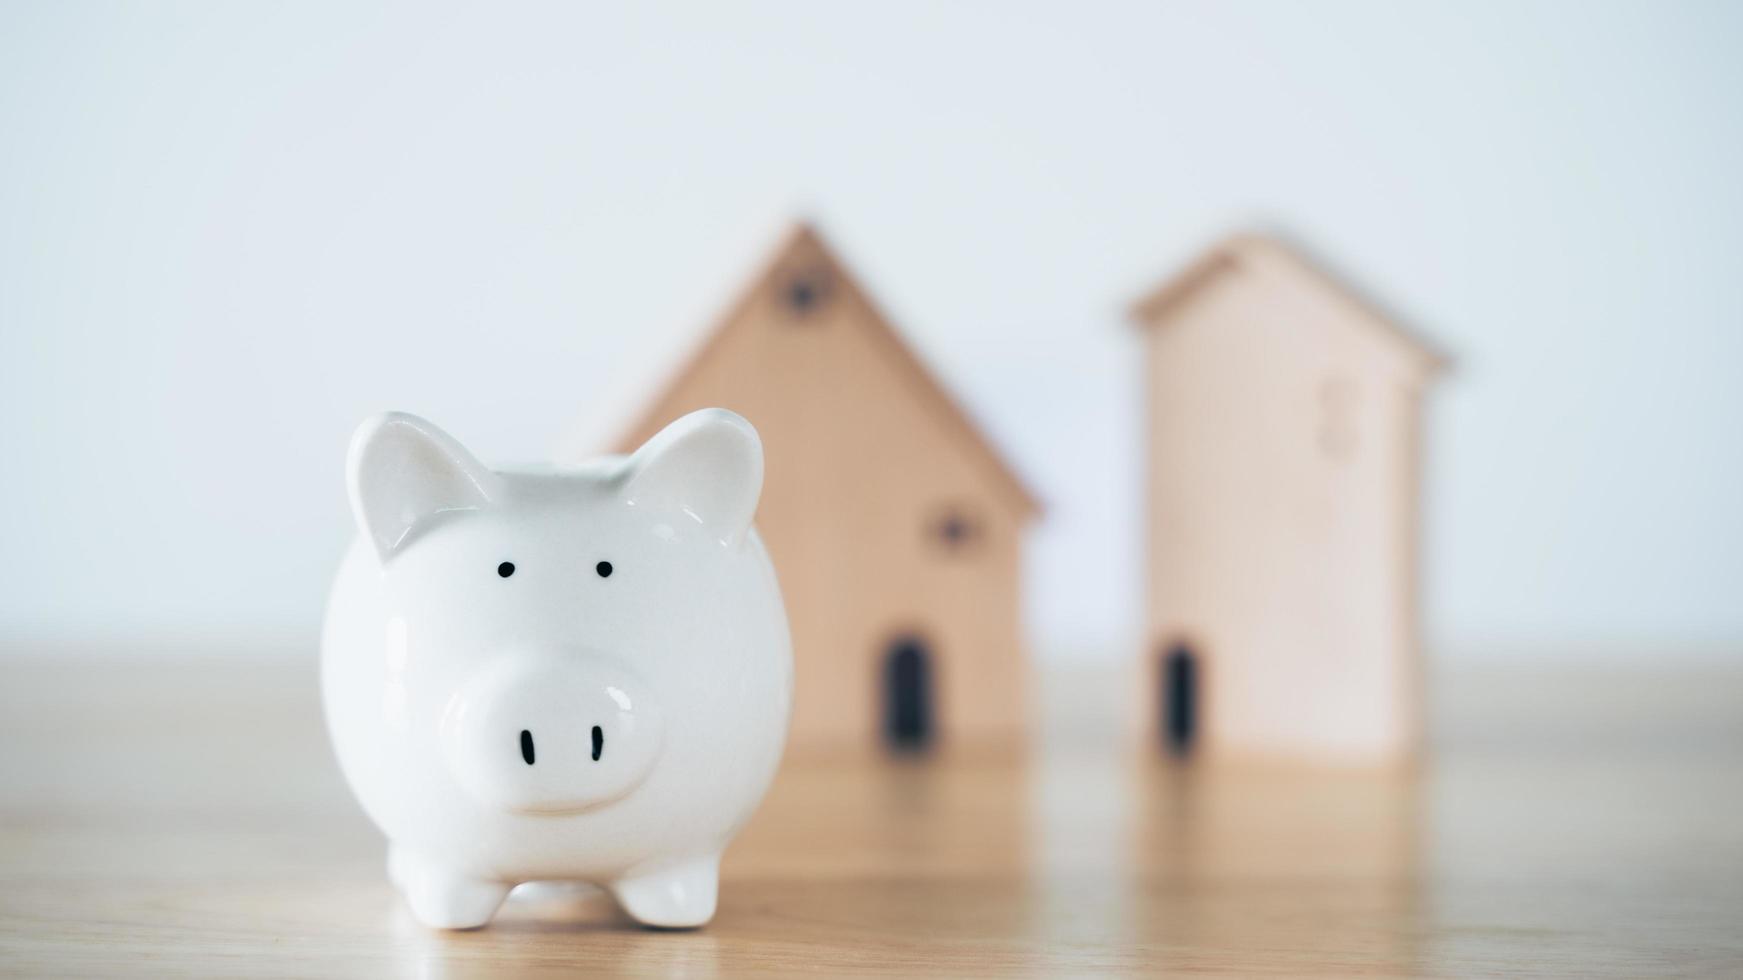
(552, 733)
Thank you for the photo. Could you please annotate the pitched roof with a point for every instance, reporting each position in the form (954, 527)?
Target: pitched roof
(1247, 250)
(804, 244)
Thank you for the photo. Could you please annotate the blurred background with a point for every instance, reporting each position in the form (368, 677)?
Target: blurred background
(228, 233)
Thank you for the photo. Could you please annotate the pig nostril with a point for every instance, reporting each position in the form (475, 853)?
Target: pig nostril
(598, 742)
(526, 745)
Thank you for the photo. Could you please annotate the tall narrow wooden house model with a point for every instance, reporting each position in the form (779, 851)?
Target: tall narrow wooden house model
(1283, 426)
(894, 526)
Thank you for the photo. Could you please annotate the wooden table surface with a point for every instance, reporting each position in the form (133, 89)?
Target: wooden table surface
(185, 817)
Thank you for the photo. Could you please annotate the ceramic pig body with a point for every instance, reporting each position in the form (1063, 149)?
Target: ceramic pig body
(562, 674)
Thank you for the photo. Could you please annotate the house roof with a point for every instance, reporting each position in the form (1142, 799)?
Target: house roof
(1249, 250)
(803, 244)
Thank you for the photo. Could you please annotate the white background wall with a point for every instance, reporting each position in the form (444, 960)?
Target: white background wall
(228, 232)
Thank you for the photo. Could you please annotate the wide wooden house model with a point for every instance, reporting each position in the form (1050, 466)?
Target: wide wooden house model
(1283, 431)
(895, 528)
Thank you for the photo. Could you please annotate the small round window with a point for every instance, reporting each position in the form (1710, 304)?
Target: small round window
(956, 530)
(805, 293)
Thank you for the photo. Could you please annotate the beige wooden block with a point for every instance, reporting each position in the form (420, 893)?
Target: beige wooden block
(1284, 440)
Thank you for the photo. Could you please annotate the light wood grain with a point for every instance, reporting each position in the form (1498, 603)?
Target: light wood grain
(186, 818)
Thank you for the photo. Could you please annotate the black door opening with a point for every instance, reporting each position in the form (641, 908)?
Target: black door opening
(908, 696)
(1179, 699)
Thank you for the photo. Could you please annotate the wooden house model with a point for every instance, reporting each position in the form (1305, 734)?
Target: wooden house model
(895, 528)
(1284, 438)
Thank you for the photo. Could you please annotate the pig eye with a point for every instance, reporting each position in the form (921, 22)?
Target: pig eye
(505, 569)
(604, 569)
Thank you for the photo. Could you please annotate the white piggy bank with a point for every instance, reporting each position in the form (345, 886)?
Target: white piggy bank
(568, 673)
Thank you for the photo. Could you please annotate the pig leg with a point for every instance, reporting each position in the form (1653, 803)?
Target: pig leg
(672, 896)
(441, 897)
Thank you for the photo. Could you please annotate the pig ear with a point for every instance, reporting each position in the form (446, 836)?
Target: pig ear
(707, 467)
(404, 474)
